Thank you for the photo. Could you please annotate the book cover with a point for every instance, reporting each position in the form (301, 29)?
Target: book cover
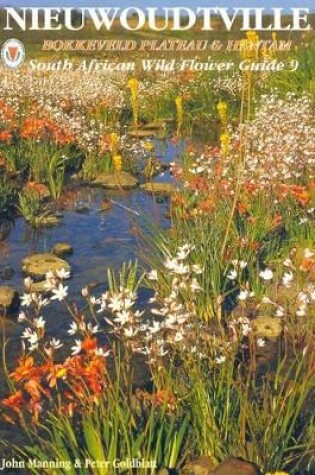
(157, 226)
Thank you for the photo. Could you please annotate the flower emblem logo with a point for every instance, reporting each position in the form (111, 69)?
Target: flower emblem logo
(13, 53)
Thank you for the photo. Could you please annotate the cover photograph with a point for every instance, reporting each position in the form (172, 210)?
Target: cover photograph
(157, 237)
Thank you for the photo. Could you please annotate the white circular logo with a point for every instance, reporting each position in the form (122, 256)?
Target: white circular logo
(13, 53)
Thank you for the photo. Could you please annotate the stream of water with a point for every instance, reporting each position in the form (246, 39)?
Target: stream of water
(100, 240)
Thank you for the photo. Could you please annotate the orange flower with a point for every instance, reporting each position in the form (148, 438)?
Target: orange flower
(277, 219)
(41, 189)
(14, 402)
(207, 205)
(33, 128)
(24, 370)
(242, 207)
(7, 113)
(301, 196)
(163, 396)
(307, 264)
(56, 372)
(5, 136)
(33, 388)
(89, 344)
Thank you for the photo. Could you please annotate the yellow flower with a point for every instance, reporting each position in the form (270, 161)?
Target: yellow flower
(252, 36)
(225, 143)
(180, 112)
(222, 110)
(134, 86)
(117, 161)
(114, 141)
(249, 47)
(149, 146)
(278, 473)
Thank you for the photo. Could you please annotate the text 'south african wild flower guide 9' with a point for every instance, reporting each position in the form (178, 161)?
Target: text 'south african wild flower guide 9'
(157, 237)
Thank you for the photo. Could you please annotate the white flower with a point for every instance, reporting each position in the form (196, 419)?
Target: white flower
(220, 359)
(60, 293)
(116, 304)
(31, 336)
(266, 274)
(94, 300)
(287, 263)
(183, 253)
(243, 264)
(261, 342)
(73, 328)
(301, 311)
(303, 298)
(195, 287)
(39, 322)
(245, 329)
(311, 291)
(122, 317)
(196, 269)
(280, 312)
(85, 292)
(128, 303)
(170, 263)
(33, 346)
(42, 302)
(153, 275)
(287, 279)
(243, 295)
(21, 317)
(181, 269)
(26, 300)
(101, 352)
(93, 329)
(303, 221)
(28, 282)
(130, 332)
(56, 344)
(232, 275)
(50, 283)
(63, 274)
(155, 328)
(77, 347)
(308, 254)
(267, 300)
(178, 337)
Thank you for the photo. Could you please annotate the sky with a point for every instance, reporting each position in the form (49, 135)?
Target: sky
(158, 3)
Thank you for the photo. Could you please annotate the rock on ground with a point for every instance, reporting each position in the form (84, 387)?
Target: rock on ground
(9, 300)
(37, 265)
(116, 181)
(158, 188)
(142, 134)
(6, 273)
(50, 221)
(201, 466)
(267, 327)
(154, 126)
(235, 466)
(62, 249)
